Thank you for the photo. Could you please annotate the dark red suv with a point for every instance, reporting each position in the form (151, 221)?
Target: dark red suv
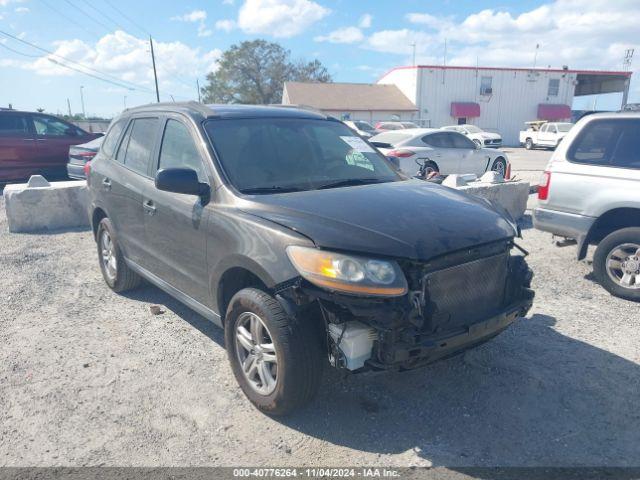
(36, 143)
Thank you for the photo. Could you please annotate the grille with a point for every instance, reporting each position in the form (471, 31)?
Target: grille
(466, 293)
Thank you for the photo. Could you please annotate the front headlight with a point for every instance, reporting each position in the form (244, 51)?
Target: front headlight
(347, 273)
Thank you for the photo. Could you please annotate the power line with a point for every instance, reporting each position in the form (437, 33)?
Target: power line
(90, 75)
(19, 53)
(135, 86)
(125, 16)
(69, 19)
(89, 16)
(104, 14)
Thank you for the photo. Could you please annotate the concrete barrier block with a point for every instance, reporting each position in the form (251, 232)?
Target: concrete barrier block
(56, 206)
(512, 196)
(454, 181)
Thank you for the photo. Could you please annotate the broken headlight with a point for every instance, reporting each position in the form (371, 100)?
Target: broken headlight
(348, 273)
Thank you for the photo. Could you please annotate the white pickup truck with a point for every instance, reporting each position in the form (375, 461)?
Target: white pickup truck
(544, 134)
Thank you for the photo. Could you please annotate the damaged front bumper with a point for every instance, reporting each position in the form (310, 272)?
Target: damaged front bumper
(453, 304)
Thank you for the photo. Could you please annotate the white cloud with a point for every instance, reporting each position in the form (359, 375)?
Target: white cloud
(193, 16)
(280, 18)
(4, 3)
(22, 10)
(127, 57)
(400, 41)
(365, 20)
(196, 16)
(225, 25)
(228, 2)
(578, 33)
(342, 35)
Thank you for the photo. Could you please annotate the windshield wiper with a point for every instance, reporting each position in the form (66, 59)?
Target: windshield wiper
(272, 189)
(350, 182)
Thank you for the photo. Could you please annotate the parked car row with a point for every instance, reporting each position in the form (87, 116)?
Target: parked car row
(33, 143)
(337, 260)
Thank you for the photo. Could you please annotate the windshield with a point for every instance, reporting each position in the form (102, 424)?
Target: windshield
(267, 155)
(472, 129)
(364, 126)
(564, 127)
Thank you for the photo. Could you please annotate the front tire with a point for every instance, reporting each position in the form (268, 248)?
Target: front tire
(115, 271)
(528, 144)
(276, 359)
(616, 263)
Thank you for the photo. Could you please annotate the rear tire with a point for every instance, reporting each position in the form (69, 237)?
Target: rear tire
(115, 271)
(614, 258)
(429, 168)
(528, 144)
(499, 166)
(294, 342)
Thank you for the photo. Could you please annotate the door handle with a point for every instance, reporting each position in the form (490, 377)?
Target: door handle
(149, 207)
(106, 183)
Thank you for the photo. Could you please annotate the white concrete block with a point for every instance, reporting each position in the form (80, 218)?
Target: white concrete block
(37, 181)
(53, 207)
(492, 177)
(454, 181)
(512, 196)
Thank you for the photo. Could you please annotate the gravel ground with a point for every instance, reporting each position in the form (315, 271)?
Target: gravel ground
(90, 377)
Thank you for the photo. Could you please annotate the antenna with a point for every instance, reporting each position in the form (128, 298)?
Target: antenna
(535, 55)
(628, 58)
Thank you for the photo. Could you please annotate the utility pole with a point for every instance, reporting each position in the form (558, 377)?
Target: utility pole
(124, 102)
(69, 107)
(84, 114)
(414, 52)
(155, 74)
(198, 87)
(535, 55)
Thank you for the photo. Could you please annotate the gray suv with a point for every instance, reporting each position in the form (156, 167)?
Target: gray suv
(590, 193)
(302, 241)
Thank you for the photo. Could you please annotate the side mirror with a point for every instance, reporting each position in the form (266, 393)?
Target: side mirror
(478, 146)
(181, 180)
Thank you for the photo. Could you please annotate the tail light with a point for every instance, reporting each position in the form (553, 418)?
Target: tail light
(507, 173)
(401, 153)
(87, 169)
(543, 186)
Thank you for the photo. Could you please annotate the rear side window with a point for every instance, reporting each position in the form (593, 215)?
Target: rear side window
(439, 140)
(613, 143)
(52, 127)
(135, 149)
(460, 141)
(179, 151)
(12, 125)
(111, 140)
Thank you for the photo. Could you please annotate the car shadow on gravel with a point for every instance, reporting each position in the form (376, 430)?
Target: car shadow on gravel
(530, 397)
(154, 296)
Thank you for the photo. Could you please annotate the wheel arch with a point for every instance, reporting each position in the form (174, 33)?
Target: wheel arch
(96, 217)
(233, 275)
(607, 223)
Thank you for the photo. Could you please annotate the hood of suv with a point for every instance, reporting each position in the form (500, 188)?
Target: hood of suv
(409, 219)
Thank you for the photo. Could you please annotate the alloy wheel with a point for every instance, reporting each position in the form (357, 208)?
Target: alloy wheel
(623, 265)
(256, 353)
(108, 254)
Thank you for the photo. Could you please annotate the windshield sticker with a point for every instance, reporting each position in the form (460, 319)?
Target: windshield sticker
(358, 144)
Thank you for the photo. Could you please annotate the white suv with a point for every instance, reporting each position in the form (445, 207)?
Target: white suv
(590, 192)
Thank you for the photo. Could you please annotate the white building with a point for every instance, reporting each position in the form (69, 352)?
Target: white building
(498, 99)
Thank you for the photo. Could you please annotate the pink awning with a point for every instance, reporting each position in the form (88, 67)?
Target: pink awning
(465, 109)
(553, 111)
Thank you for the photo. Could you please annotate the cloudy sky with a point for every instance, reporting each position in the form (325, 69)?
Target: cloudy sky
(103, 46)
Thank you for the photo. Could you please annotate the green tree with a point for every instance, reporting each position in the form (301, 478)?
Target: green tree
(254, 72)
